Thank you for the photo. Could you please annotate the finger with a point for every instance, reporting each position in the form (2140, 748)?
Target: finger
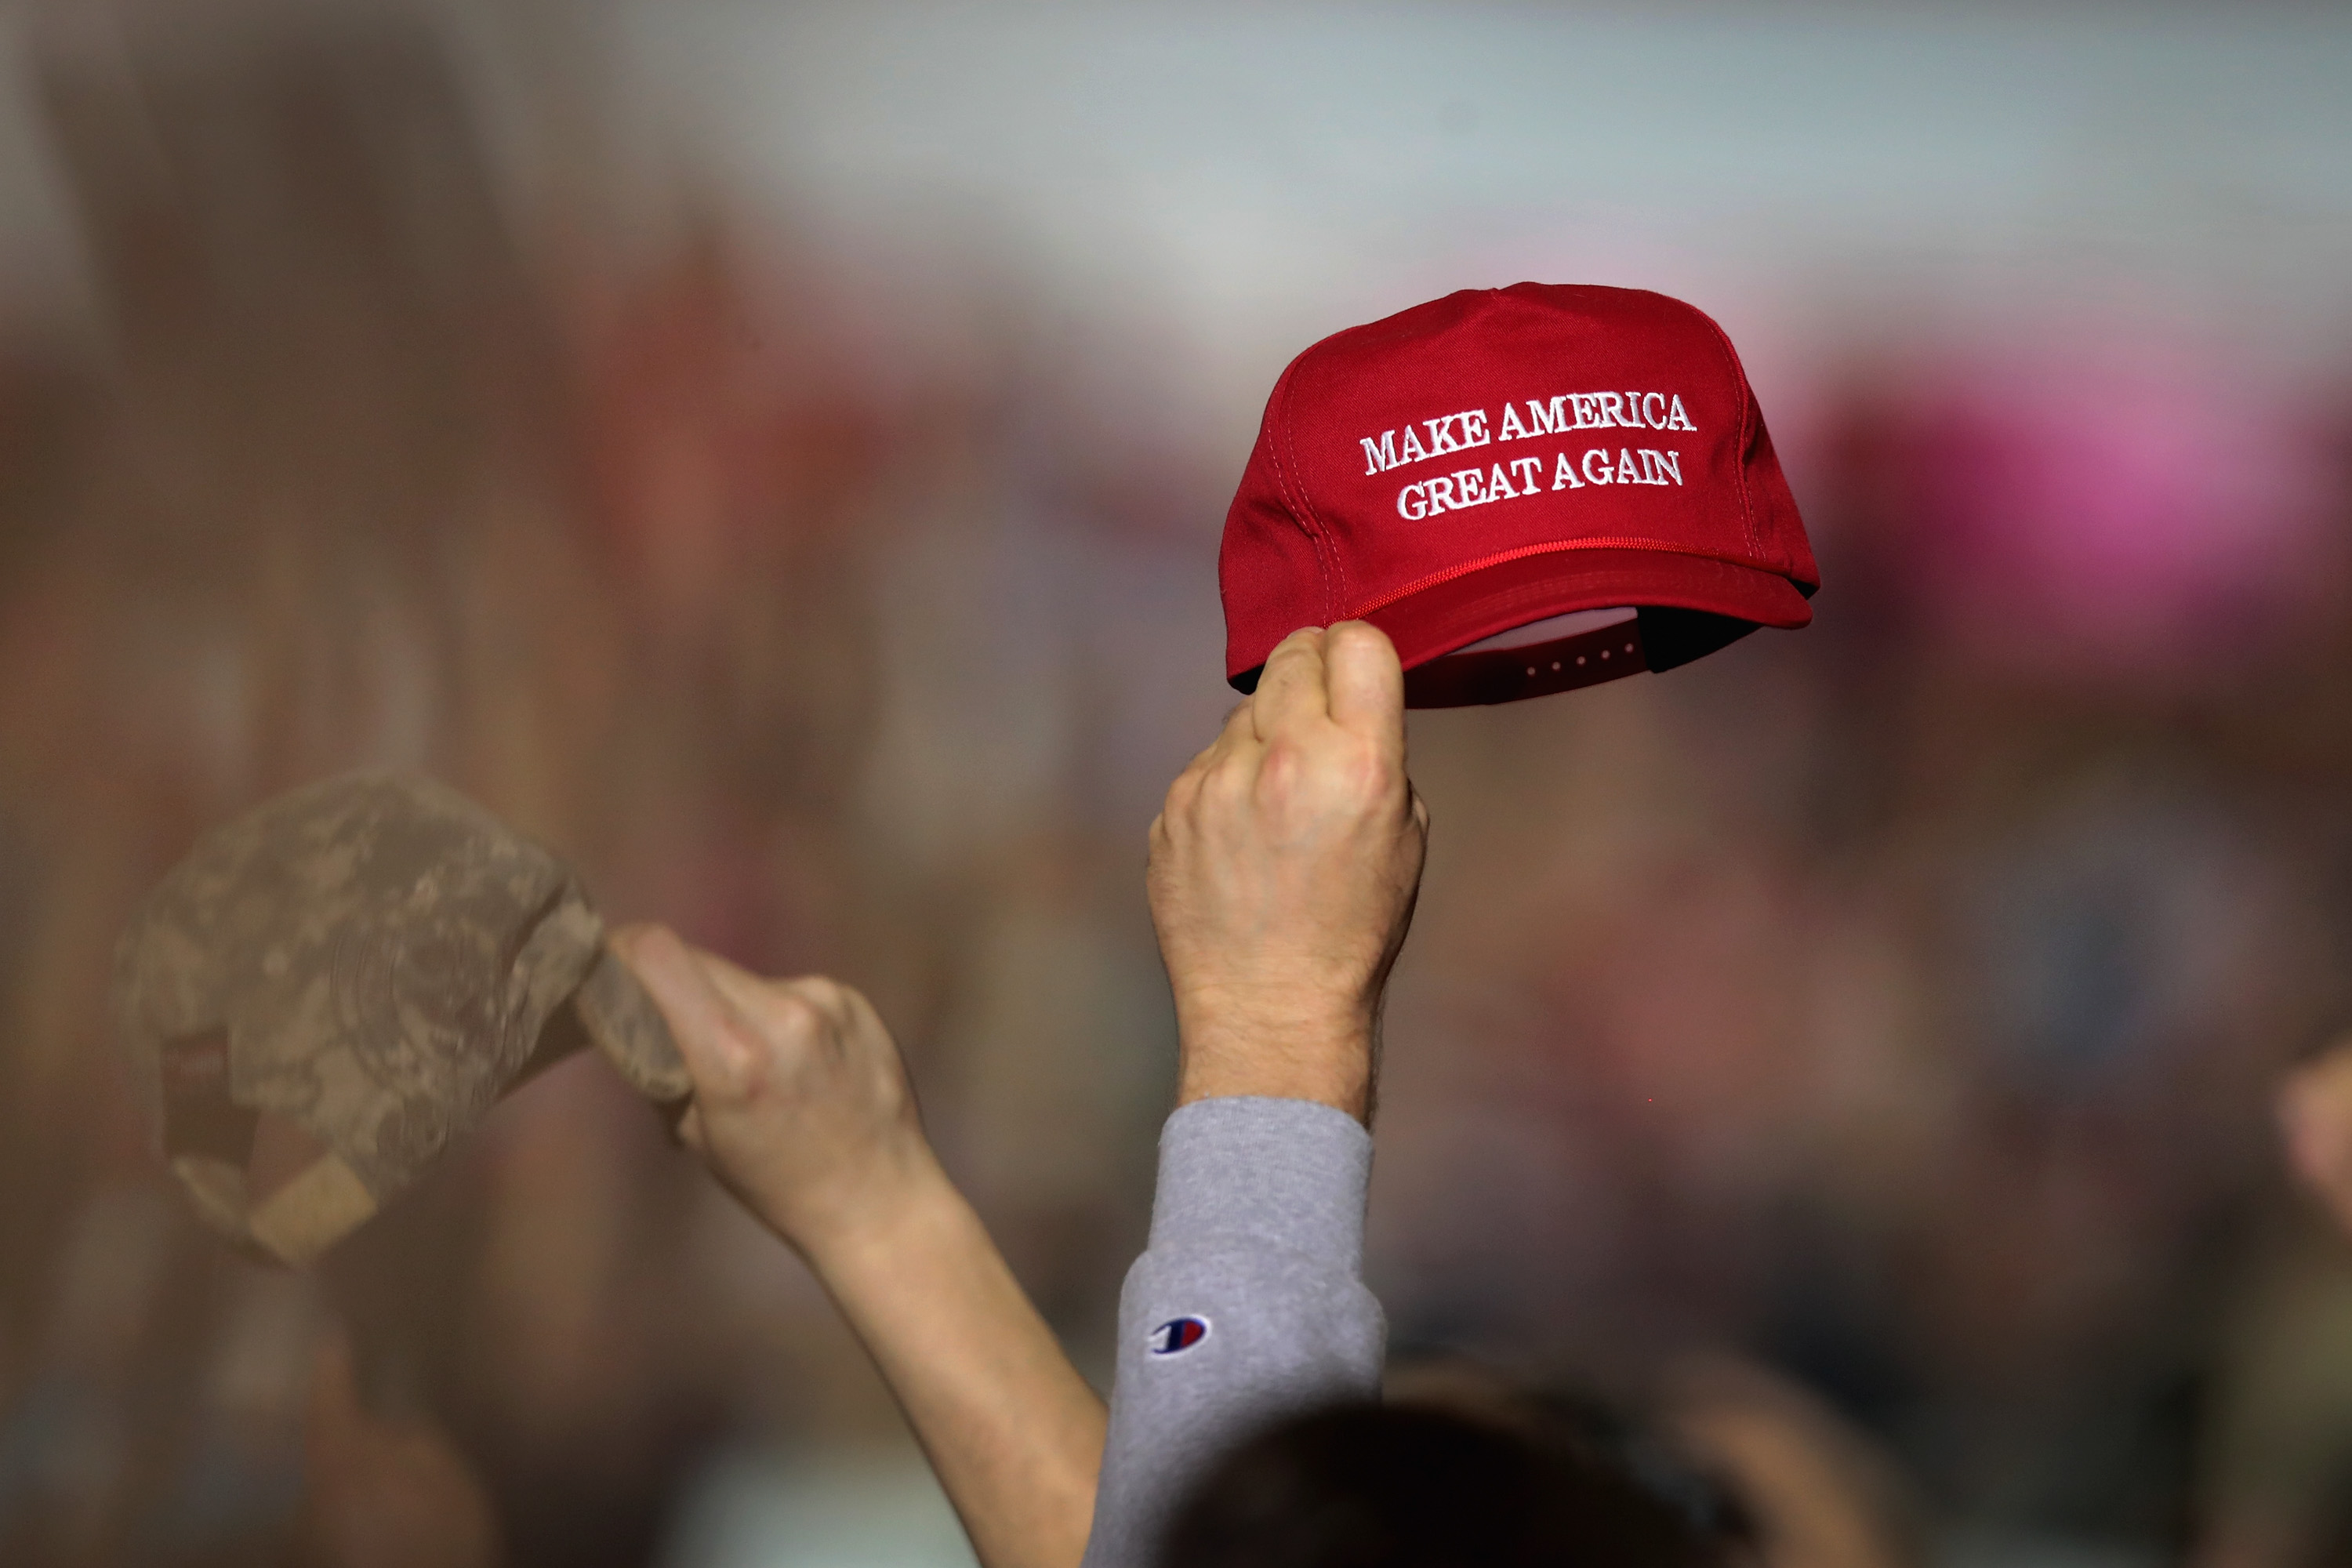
(1208, 753)
(1291, 691)
(791, 1018)
(866, 1028)
(821, 991)
(1237, 745)
(701, 1019)
(742, 990)
(1366, 682)
(1240, 731)
(859, 1010)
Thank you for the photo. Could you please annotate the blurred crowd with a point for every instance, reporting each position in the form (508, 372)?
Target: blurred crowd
(1885, 1015)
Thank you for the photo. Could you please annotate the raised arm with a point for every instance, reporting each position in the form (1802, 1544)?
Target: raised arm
(801, 1107)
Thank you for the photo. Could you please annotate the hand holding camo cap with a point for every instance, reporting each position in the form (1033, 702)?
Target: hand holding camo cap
(331, 990)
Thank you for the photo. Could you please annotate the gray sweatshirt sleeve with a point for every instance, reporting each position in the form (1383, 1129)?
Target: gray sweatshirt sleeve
(1248, 1302)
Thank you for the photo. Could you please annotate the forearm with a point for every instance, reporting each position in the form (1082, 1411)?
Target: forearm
(802, 1107)
(1013, 1433)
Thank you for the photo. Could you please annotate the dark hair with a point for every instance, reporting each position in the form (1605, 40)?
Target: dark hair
(1371, 1486)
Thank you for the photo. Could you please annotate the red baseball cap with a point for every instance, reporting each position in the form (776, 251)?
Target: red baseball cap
(1529, 489)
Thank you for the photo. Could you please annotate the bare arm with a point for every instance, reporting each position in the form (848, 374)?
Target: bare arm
(802, 1108)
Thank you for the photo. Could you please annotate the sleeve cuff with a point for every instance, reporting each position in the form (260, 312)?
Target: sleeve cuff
(1292, 1173)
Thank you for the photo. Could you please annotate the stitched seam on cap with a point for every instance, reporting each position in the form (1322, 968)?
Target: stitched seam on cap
(1277, 412)
(1746, 408)
(1436, 579)
(1327, 553)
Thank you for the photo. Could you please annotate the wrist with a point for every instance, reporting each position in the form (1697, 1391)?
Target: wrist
(1277, 1053)
(874, 1208)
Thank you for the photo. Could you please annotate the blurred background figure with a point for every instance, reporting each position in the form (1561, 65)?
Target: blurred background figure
(2282, 1443)
(2314, 1114)
(775, 454)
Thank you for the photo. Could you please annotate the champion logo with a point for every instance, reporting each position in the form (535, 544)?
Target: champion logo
(1179, 1335)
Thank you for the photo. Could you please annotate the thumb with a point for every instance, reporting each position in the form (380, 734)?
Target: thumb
(1367, 682)
(707, 1026)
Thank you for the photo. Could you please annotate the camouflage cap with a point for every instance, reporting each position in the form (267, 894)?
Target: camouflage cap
(333, 989)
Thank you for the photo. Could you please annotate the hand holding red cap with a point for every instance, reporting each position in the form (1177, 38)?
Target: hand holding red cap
(1283, 868)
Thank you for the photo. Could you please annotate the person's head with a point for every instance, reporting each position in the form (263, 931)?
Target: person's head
(1371, 1486)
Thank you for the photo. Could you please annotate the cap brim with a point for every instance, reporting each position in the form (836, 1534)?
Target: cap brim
(1433, 622)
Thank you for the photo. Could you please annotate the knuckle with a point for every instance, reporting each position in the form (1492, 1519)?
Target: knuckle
(821, 991)
(1225, 785)
(790, 1012)
(739, 1066)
